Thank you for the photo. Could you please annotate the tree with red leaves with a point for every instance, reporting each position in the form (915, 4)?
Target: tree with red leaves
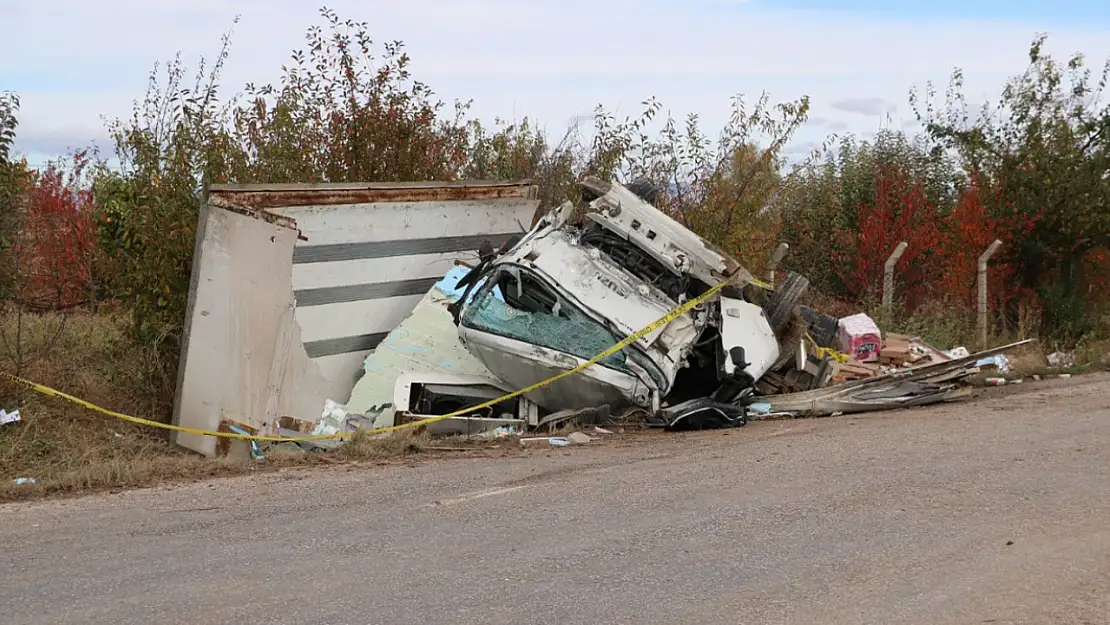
(56, 241)
(968, 230)
(900, 212)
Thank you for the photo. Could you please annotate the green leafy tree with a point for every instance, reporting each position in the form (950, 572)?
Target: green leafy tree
(14, 178)
(174, 142)
(722, 188)
(1045, 147)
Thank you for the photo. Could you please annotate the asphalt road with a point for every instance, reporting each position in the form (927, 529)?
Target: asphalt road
(995, 511)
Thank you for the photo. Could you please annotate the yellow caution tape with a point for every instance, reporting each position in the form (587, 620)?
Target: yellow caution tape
(648, 329)
(821, 352)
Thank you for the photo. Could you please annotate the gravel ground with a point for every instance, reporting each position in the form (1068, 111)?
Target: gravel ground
(990, 511)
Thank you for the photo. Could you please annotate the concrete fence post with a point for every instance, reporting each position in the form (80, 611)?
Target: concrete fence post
(773, 264)
(984, 258)
(888, 276)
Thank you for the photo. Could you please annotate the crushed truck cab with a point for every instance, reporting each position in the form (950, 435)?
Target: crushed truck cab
(583, 279)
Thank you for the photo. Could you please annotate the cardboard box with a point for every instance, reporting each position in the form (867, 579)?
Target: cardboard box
(860, 338)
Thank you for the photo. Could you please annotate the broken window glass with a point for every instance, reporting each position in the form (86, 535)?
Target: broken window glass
(516, 304)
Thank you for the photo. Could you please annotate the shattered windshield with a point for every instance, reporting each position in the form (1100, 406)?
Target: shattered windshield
(513, 303)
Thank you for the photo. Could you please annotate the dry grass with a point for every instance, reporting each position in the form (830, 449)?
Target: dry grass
(70, 449)
(382, 446)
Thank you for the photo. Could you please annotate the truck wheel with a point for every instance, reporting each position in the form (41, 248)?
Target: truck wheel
(780, 306)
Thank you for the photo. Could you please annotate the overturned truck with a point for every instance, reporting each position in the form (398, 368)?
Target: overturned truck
(584, 278)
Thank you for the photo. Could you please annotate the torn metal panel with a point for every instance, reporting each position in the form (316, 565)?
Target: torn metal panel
(242, 357)
(425, 342)
(521, 364)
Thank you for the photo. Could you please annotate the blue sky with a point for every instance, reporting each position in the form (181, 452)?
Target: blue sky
(82, 60)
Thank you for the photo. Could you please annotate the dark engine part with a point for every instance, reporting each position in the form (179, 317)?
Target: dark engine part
(737, 385)
(636, 261)
(703, 414)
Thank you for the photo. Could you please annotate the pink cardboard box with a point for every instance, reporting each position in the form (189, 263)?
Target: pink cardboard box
(859, 337)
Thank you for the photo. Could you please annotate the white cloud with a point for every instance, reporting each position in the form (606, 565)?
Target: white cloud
(546, 60)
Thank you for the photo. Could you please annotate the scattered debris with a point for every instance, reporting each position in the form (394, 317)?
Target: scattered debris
(578, 438)
(995, 381)
(585, 416)
(554, 441)
(1061, 360)
(958, 352)
(22, 481)
(256, 449)
(760, 408)
(915, 386)
(998, 361)
(9, 417)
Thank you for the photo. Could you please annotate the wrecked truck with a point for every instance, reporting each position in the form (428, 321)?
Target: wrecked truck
(586, 277)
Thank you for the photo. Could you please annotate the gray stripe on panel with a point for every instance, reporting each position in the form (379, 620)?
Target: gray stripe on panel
(344, 345)
(362, 292)
(386, 249)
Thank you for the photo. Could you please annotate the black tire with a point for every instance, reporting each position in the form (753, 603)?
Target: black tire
(780, 306)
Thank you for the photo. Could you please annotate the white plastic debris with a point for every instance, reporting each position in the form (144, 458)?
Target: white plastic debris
(957, 353)
(998, 361)
(9, 417)
(22, 481)
(1061, 360)
(332, 420)
(760, 408)
(578, 438)
(554, 441)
